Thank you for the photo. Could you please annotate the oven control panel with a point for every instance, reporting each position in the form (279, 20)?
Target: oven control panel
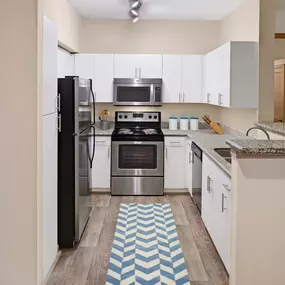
(152, 117)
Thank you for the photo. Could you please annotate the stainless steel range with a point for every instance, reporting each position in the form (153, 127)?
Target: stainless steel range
(137, 154)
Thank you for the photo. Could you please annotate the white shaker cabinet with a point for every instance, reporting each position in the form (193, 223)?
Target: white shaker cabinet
(174, 170)
(103, 77)
(191, 80)
(49, 192)
(231, 75)
(216, 207)
(189, 167)
(84, 65)
(172, 79)
(49, 67)
(182, 78)
(137, 66)
(99, 68)
(65, 63)
(101, 170)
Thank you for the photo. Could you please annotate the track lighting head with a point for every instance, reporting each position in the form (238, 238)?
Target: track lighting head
(133, 13)
(136, 4)
(135, 19)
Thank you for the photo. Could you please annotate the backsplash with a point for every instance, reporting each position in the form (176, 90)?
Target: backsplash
(167, 110)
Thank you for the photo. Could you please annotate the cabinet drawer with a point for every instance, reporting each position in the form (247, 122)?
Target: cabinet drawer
(103, 141)
(175, 141)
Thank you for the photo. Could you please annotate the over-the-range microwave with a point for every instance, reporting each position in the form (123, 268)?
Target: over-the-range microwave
(137, 92)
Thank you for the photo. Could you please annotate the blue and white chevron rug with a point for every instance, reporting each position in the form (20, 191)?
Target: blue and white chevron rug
(146, 248)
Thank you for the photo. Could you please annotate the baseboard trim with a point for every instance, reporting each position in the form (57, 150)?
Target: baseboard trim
(52, 268)
(101, 190)
(176, 191)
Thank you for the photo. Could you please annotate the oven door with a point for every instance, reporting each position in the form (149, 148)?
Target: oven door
(137, 158)
(133, 94)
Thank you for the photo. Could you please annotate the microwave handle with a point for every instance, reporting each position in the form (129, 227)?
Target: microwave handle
(152, 91)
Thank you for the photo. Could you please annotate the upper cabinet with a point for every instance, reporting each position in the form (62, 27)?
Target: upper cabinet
(231, 75)
(49, 67)
(182, 77)
(99, 68)
(65, 63)
(137, 66)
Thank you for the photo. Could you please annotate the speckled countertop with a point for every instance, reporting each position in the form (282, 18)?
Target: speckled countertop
(278, 128)
(249, 148)
(206, 139)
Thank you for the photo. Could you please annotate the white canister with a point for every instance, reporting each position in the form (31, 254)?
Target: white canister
(173, 123)
(184, 124)
(194, 123)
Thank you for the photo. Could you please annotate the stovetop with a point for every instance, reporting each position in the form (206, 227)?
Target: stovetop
(137, 134)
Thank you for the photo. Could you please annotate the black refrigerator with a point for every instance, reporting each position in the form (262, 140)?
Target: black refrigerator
(76, 117)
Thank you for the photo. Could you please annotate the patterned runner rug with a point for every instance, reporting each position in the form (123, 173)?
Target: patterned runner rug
(146, 248)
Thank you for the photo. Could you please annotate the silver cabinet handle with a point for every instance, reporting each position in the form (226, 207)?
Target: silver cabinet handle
(174, 142)
(166, 152)
(95, 98)
(140, 73)
(58, 102)
(179, 97)
(108, 152)
(223, 202)
(191, 157)
(227, 187)
(220, 99)
(100, 141)
(183, 97)
(136, 75)
(209, 180)
(59, 123)
(208, 98)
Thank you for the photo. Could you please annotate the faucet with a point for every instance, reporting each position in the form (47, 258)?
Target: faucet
(258, 128)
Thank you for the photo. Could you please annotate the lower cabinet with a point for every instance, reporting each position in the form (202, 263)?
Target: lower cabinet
(189, 163)
(101, 170)
(216, 207)
(174, 163)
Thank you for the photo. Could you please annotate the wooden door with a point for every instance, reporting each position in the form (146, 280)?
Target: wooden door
(279, 91)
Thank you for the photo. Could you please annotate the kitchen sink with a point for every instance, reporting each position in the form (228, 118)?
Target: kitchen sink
(224, 153)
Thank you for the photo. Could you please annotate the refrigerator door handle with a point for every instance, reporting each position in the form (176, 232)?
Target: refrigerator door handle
(93, 148)
(93, 107)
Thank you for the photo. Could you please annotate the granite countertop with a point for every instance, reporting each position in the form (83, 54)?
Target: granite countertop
(278, 128)
(206, 139)
(253, 148)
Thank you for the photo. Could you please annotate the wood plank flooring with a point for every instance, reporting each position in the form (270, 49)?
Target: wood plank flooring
(88, 264)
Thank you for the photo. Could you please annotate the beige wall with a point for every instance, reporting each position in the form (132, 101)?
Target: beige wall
(197, 110)
(18, 147)
(241, 25)
(67, 20)
(122, 36)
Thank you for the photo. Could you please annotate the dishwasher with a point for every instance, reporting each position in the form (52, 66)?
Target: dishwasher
(197, 175)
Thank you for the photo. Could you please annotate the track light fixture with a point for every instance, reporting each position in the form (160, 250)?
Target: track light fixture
(135, 5)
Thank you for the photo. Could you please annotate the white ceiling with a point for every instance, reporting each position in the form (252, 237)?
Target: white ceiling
(157, 9)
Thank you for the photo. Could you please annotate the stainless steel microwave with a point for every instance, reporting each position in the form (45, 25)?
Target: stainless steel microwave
(137, 92)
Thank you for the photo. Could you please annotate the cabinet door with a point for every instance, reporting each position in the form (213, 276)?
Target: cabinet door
(223, 63)
(101, 166)
(192, 78)
(189, 163)
(103, 77)
(174, 168)
(210, 78)
(49, 67)
(49, 198)
(126, 66)
(150, 66)
(65, 63)
(172, 79)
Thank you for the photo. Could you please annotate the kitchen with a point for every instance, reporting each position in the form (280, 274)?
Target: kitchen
(186, 55)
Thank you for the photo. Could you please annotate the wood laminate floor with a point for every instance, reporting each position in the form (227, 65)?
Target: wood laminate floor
(88, 264)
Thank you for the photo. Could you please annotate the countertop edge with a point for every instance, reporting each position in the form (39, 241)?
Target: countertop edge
(269, 128)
